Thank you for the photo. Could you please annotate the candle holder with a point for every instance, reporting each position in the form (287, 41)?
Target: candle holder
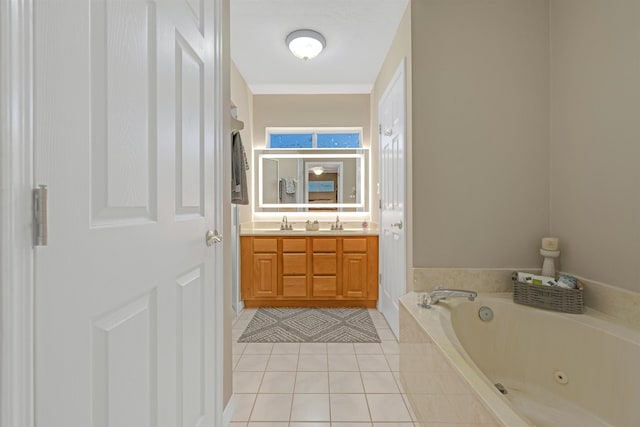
(549, 263)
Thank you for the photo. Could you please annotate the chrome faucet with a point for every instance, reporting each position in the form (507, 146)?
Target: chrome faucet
(337, 225)
(284, 225)
(438, 294)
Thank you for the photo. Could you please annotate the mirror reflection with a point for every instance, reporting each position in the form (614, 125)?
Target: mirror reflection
(312, 180)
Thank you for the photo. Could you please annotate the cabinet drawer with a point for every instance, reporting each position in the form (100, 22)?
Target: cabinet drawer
(294, 245)
(354, 245)
(324, 287)
(265, 245)
(294, 286)
(324, 245)
(294, 264)
(324, 264)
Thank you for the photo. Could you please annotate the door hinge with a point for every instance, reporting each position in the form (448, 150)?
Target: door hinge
(380, 129)
(40, 214)
(380, 278)
(380, 203)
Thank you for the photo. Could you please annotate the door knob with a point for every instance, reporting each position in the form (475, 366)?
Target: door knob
(212, 237)
(397, 224)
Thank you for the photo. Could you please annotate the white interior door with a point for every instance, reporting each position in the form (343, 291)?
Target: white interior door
(393, 252)
(124, 138)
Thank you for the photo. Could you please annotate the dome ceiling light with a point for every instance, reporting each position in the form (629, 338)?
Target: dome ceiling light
(305, 44)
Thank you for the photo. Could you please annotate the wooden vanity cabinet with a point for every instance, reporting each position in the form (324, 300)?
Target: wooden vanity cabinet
(329, 271)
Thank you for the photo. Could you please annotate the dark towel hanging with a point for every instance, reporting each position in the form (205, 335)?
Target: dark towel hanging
(239, 168)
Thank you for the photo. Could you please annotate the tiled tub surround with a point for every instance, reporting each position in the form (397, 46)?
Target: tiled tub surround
(448, 353)
(618, 303)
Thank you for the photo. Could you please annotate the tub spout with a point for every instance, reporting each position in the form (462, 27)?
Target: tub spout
(436, 295)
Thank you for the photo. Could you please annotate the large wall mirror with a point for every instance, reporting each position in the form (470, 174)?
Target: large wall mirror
(315, 180)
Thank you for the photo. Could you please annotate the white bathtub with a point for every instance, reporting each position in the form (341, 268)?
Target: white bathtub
(558, 369)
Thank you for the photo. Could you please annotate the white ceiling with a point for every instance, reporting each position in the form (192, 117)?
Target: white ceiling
(358, 34)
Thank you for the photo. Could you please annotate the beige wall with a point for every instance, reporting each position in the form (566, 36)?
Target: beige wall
(309, 111)
(399, 50)
(595, 133)
(242, 97)
(480, 132)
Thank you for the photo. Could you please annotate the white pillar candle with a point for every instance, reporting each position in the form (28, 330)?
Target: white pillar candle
(550, 243)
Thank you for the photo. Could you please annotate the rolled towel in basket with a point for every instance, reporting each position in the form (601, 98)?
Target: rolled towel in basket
(567, 282)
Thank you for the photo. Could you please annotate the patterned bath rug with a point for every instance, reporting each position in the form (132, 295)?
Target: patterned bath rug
(310, 325)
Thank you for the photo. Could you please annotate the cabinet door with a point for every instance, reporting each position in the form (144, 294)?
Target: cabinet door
(265, 275)
(354, 275)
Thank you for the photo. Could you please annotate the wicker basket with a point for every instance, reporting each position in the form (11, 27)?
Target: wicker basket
(558, 299)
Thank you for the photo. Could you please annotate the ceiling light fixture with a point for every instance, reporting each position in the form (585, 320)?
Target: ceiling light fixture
(318, 170)
(305, 44)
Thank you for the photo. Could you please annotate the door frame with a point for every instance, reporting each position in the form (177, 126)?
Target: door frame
(16, 237)
(17, 252)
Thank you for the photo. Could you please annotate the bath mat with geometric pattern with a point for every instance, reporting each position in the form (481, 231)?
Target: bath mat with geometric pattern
(310, 325)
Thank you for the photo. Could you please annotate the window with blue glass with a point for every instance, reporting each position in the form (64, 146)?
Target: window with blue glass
(314, 137)
(338, 140)
(291, 140)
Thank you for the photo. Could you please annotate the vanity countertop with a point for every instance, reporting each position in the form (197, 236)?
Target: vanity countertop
(301, 231)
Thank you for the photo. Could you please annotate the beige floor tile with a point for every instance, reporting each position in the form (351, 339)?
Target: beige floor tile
(244, 405)
(388, 408)
(394, 362)
(310, 407)
(379, 382)
(286, 348)
(342, 362)
(258, 348)
(340, 348)
(349, 407)
(237, 348)
(272, 407)
(373, 362)
(409, 408)
(283, 362)
(380, 322)
(396, 425)
(269, 424)
(238, 425)
(390, 347)
(241, 325)
(313, 348)
(234, 361)
(345, 382)
(278, 382)
(386, 334)
(368, 348)
(312, 382)
(307, 424)
(252, 362)
(246, 382)
(312, 362)
(396, 376)
(351, 424)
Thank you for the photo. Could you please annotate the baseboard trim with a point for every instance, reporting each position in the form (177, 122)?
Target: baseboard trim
(229, 411)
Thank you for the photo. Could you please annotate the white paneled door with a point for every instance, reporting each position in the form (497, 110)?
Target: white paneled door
(393, 258)
(125, 103)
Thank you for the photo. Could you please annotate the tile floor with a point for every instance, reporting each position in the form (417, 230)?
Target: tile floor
(319, 385)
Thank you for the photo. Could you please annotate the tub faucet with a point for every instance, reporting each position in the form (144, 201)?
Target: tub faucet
(437, 294)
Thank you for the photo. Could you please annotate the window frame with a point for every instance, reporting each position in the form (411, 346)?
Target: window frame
(314, 131)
